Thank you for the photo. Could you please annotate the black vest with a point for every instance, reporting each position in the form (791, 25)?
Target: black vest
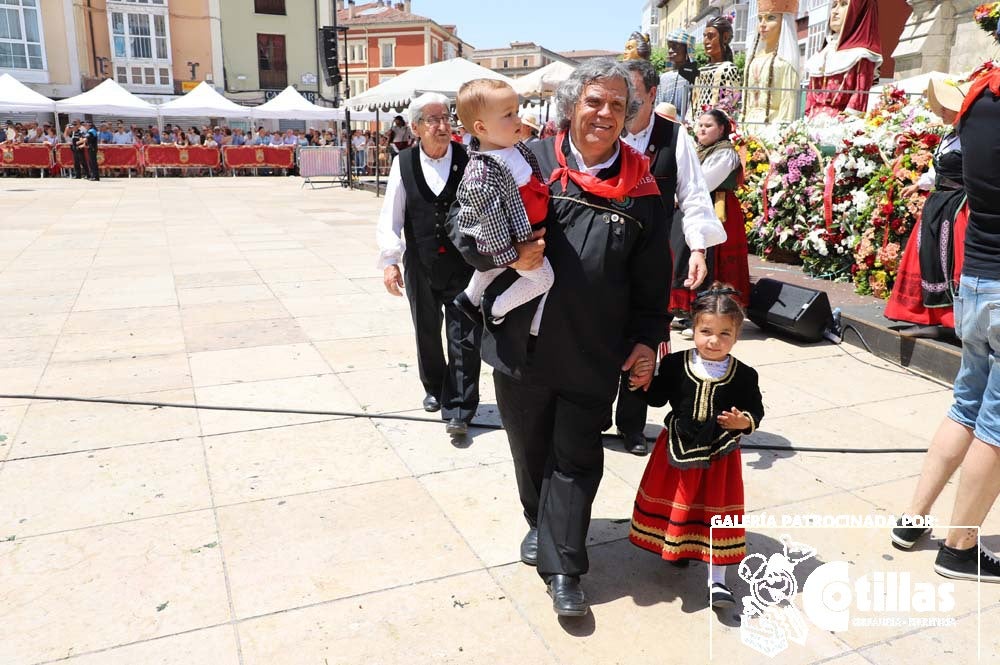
(427, 241)
(662, 153)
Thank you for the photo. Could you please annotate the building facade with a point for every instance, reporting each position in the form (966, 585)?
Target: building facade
(269, 45)
(155, 48)
(383, 40)
(582, 56)
(941, 36)
(693, 15)
(34, 47)
(518, 59)
(649, 23)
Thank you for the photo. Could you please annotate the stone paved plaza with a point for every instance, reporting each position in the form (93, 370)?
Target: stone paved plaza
(140, 534)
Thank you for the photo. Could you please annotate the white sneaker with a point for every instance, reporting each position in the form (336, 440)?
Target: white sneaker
(687, 333)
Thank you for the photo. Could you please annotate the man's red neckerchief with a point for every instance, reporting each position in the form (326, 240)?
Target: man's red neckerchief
(633, 179)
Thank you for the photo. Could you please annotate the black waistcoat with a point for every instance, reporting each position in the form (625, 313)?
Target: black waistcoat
(662, 154)
(424, 228)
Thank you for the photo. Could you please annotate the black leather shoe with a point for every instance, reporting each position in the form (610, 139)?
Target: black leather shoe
(463, 303)
(431, 404)
(635, 443)
(529, 548)
(457, 427)
(568, 599)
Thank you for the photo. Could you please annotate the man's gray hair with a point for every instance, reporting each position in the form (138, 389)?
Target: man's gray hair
(418, 105)
(571, 89)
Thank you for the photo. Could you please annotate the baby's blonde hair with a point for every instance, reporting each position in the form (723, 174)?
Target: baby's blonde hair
(473, 98)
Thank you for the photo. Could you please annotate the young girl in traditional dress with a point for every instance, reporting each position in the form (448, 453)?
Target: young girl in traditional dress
(695, 472)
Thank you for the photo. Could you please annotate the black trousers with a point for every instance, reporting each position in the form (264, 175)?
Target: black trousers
(79, 163)
(555, 441)
(92, 163)
(630, 413)
(455, 383)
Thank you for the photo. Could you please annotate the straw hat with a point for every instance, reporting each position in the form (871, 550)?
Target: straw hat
(667, 110)
(531, 120)
(948, 95)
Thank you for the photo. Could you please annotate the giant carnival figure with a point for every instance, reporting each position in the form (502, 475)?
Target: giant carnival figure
(841, 75)
(637, 47)
(718, 82)
(772, 71)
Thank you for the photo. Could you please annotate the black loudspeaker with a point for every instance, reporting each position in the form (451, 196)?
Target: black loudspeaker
(798, 311)
(331, 54)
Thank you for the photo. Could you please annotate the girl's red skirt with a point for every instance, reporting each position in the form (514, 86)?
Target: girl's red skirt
(674, 509)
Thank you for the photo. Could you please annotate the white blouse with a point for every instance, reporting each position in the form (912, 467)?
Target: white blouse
(709, 369)
(718, 166)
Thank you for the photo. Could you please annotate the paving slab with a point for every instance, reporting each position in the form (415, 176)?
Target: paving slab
(150, 534)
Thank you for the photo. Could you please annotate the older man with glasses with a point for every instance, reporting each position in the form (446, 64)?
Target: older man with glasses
(422, 186)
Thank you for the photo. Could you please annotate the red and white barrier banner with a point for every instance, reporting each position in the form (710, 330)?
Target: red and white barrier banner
(26, 156)
(175, 156)
(108, 156)
(258, 156)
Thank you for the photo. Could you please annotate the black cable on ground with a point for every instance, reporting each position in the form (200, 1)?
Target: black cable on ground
(394, 416)
(906, 370)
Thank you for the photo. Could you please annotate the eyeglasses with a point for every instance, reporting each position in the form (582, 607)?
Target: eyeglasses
(436, 120)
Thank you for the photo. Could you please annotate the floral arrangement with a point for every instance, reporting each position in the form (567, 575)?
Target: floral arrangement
(789, 192)
(988, 17)
(828, 250)
(893, 215)
(756, 165)
(833, 192)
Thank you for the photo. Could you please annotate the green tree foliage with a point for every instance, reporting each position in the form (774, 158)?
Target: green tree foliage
(659, 59)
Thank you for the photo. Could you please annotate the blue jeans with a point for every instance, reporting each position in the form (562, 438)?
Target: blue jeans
(977, 386)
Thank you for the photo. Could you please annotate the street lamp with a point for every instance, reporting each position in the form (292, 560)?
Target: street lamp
(101, 62)
(194, 69)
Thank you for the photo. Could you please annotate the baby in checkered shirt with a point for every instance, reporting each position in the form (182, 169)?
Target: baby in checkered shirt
(502, 196)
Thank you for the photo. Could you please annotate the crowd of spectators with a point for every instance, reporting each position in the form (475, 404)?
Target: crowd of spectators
(217, 136)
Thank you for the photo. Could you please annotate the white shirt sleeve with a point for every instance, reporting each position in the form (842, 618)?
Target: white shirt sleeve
(718, 167)
(925, 182)
(702, 228)
(389, 230)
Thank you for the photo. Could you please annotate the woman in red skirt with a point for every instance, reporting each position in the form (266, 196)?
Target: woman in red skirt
(928, 274)
(695, 472)
(723, 172)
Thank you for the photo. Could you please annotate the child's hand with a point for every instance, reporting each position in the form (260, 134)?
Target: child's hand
(639, 373)
(733, 419)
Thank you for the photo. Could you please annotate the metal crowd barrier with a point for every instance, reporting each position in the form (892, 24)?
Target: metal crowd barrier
(318, 162)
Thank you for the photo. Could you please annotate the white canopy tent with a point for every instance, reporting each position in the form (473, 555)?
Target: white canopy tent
(445, 77)
(108, 98)
(290, 105)
(359, 116)
(203, 101)
(15, 97)
(543, 82)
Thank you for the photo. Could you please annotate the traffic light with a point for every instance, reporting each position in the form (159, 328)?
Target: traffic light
(331, 62)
